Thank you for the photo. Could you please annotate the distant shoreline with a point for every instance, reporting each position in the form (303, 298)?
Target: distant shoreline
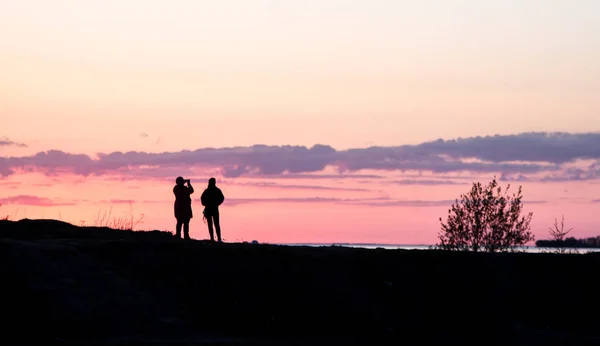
(529, 249)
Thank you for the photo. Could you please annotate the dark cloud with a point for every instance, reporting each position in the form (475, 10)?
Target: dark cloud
(7, 142)
(525, 154)
(557, 147)
(34, 201)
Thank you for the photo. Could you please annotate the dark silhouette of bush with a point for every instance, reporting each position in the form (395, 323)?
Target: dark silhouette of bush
(570, 242)
(486, 219)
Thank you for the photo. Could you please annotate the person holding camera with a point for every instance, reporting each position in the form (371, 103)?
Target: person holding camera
(183, 206)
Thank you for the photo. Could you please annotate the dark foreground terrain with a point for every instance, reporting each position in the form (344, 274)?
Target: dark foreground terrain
(68, 285)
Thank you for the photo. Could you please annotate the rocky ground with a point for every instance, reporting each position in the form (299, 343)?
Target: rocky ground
(69, 285)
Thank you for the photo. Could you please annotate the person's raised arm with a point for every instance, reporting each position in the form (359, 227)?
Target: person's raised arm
(190, 187)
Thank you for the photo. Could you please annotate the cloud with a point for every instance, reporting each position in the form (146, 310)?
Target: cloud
(7, 142)
(596, 201)
(42, 184)
(523, 154)
(266, 184)
(312, 176)
(425, 182)
(566, 174)
(9, 183)
(120, 201)
(34, 201)
(375, 202)
(156, 141)
(239, 201)
(407, 203)
(418, 203)
(556, 148)
(132, 201)
(12, 185)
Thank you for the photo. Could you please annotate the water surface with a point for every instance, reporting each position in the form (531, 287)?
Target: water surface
(531, 249)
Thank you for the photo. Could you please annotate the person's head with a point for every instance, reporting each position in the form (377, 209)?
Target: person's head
(179, 181)
(212, 182)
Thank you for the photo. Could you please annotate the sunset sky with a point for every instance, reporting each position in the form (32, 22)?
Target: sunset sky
(322, 120)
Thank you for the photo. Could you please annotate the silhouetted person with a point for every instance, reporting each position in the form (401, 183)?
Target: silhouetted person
(183, 206)
(211, 199)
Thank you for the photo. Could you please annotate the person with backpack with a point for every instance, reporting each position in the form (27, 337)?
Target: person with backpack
(211, 199)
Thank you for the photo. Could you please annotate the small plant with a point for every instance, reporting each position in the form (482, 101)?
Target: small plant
(121, 223)
(486, 219)
(557, 236)
(5, 217)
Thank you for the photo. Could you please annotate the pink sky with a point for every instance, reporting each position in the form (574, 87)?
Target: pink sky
(373, 83)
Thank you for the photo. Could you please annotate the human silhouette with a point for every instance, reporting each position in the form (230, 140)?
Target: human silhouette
(211, 199)
(183, 206)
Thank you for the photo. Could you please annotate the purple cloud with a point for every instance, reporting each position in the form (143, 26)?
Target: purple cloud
(132, 201)
(425, 182)
(266, 184)
(312, 176)
(557, 147)
(418, 203)
(375, 201)
(239, 201)
(120, 201)
(9, 183)
(523, 154)
(407, 203)
(7, 142)
(34, 201)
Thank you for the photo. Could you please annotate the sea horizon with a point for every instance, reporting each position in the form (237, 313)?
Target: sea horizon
(529, 249)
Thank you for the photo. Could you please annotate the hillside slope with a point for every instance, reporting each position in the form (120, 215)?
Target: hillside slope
(62, 283)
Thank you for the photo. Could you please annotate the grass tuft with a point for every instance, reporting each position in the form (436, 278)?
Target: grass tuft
(124, 223)
(103, 219)
(5, 217)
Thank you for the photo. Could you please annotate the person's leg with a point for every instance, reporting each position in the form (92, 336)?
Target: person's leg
(217, 226)
(186, 229)
(178, 228)
(209, 221)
